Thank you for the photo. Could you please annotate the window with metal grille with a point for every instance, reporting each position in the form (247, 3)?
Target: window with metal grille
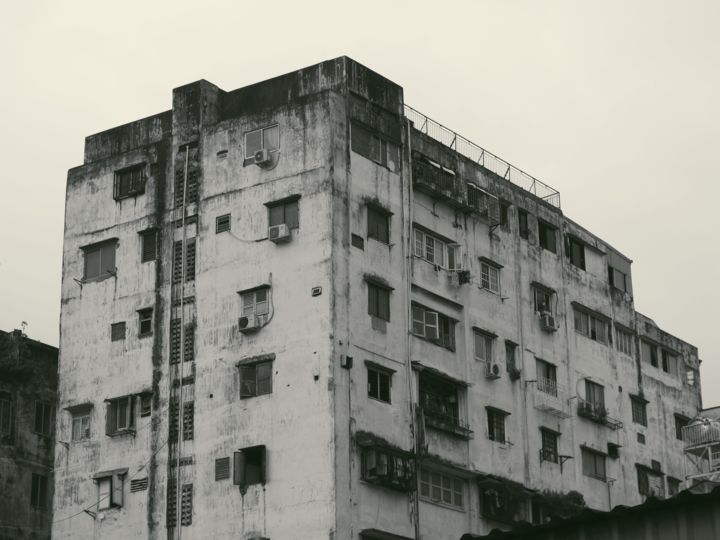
(145, 327)
(547, 236)
(255, 379)
(496, 424)
(483, 346)
(117, 331)
(378, 301)
(129, 182)
(549, 447)
(378, 224)
(442, 488)
(38, 491)
(284, 212)
(149, 245)
(139, 484)
(379, 383)
(99, 260)
(222, 468)
(44, 413)
(386, 468)
(433, 326)
(593, 463)
(189, 260)
(192, 176)
(189, 338)
(490, 277)
(7, 415)
(639, 410)
(440, 399)
(186, 503)
(546, 375)
(222, 223)
(120, 415)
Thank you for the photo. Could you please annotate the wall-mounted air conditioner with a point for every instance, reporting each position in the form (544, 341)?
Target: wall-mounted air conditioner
(279, 233)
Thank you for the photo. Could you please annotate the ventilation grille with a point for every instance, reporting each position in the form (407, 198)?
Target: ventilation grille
(222, 223)
(139, 484)
(222, 468)
(117, 331)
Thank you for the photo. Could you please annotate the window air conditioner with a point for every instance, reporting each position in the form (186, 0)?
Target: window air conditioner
(262, 157)
(492, 370)
(251, 323)
(279, 233)
(547, 321)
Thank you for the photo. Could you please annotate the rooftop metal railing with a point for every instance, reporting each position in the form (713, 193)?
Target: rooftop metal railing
(485, 158)
(701, 432)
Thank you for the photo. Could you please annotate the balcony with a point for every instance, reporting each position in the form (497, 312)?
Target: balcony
(450, 423)
(550, 397)
(701, 433)
(437, 181)
(596, 413)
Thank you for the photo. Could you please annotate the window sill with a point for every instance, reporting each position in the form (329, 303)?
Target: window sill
(443, 504)
(95, 279)
(434, 342)
(123, 432)
(496, 293)
(129, 196)
(379, 401)
(453, 429)
(392, 486)
(141, 336)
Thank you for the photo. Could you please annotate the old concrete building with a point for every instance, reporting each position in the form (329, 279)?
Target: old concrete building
(302, 309)
(28, 386)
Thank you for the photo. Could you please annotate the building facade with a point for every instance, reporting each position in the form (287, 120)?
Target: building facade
(303, 309)
(28, 386)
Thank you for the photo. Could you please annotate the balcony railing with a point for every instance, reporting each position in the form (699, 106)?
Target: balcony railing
(447, 422)
(438, 181)
(597, 413)
(551, 397)
(701, 432)
(481, 156)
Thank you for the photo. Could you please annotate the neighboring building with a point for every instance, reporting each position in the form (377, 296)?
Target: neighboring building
(301, 309)
(28, 386)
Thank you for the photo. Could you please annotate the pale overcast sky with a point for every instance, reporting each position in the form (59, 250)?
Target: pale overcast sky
(615, 104)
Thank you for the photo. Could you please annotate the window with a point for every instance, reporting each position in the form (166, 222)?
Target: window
(267, 138)
(496, 424)
(497, 505)
(595, 395)
(129, 182)
(650, 483)
(490, 276)
(6, 415)
(256, 379)
(100, 260)
(39, 492)
(378, 224)
(436, 251)
(222, 223)
(680, 422)
(145, 404)
(543, 299)
(624, 341)
(357, 241)
(617, 279)
(186, 504)
(378, 301)
(149, 245)
(504, 207)
(249, 466)
(548, 236)
(639, 410)
(145, 327)
(120, 415)
(433, 326)
(673, 486)
(439, 400)
(44, 421)
(222, 468)
(81, 424)
(613, 450)
(669, 362)
(575, 252)
(117, 331)
(592, 326)
(379, 383)
(549, 449)
(110, 488)
(649, 353)
(510, 362)
(442, 488)
(188, 349)
(189, 260)
(523, 227)
(546, 374)
(483, 346)
(387, 468)
(374, 147)
(284, 212)
(255, 302)
(593, 463)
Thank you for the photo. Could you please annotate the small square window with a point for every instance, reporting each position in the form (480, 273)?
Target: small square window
(99, 260)
(378, 222)
(267, 138)
(256, 379)
(222, 223)
(117, 331)
(284, 213)
(378, 301)
(379, 384)
(130, 182)
(145, 322)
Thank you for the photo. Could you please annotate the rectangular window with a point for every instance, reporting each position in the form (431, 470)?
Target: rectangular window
(543, 300)
(649, 353)
(39, 492)
(650, 483)
(99, 260)
(496, 424)
(433, 326)
(489, 277)
(483, 346)
(639, 410)
(6, 415)
(386, 468)
(129, 182)
(267, 138)
(374, 147)
(189, 260)
(256, 302)
(379, 383)
(680, 422)
(249, 466)
(510, 352)
(188, 351)
(595, 395)
(592, 326)
(149, 245)
(549, 449)
(673, 486)
(117, 331)
(44, 418)
(593, 464)
(669, 362)
(378, 224)
(284, 213)
(255, 379)
(548, 236)
(546, 374)
(523, 227)
(504, 208)
(120, 415)
(222, 223)
(439, 399)
(81, 425)
(442, 488)
(378, 301)
(145, 327)
(617, 279)
(575, 252)
(436, 251)
(624, 341)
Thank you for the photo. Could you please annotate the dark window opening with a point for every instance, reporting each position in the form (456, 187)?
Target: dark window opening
(379, 383)
(439, 399)
(145, 327)
(222, 468)
(378, 224)
(639, 410)
(44, 418)
(249, 466)
(680, 422)
(433, 326)
(284, 213)
(617, 279)
(548, 236)
(386, 468)
(99, 261)
(149, 241)
(39, 492)
(371, 145)
(117, 331)
(549, 445)
(523, 227)
(546, 375)
(357, 241)
(576, 252)
(120, 415)
(255, 379)
(593, 464)
(504, 210)
(378, 301)
(496, 425)
(129, 182)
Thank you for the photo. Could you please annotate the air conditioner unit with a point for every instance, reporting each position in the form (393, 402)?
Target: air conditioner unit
(547, 321)
(262, 157)
(279, 233)
(492, 370)
(251, 323)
